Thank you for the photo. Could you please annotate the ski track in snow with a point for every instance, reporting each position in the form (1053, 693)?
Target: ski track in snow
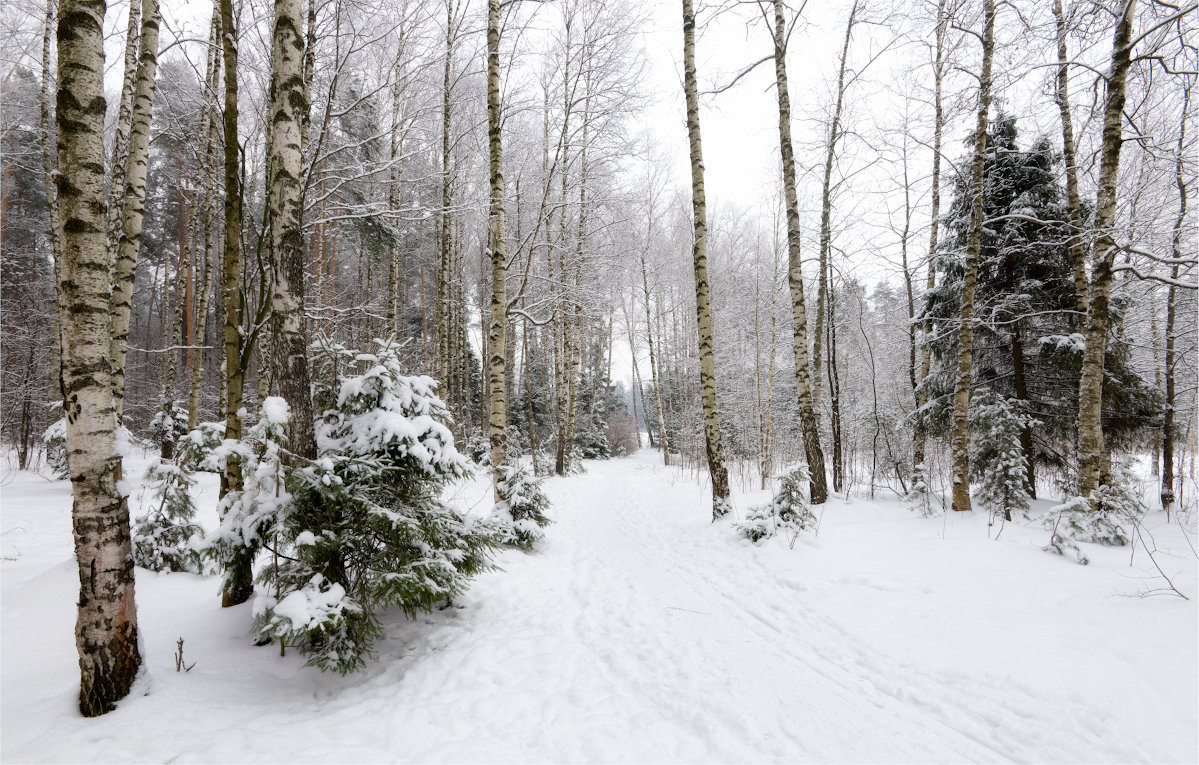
(637, 632)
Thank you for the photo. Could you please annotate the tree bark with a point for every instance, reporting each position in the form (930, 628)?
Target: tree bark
(209, 171)
(1090, 395)
(238, 584)
(699, 253)
(1167, 490)
(54, 381)
(134, 202)
(1078, 253)
(497, 334)
(106, 627)
(811, 427)
(961, 393)
(119, 162)
(289, 336)
(826, 208)
(926, 354)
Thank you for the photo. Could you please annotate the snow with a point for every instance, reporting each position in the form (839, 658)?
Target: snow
(640, 631)
(274, 410)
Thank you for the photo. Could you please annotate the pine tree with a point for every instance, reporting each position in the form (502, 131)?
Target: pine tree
(997, 461)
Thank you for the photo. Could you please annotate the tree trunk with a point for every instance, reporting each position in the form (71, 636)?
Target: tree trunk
(654, 369)
(238, 584)
(209, 171)
(1090, 395)
(826, 208)
(961, 393)
(799, 314)
(497, 334)
(699, 252)
(54, 383)
(442, 321)
(134, 202)
(926, 354)
(1167, 490)
(106, 629)
(1078, 253)
(289, 336)
(119, 161)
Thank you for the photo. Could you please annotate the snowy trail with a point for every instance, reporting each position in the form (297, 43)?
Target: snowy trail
(640, 632)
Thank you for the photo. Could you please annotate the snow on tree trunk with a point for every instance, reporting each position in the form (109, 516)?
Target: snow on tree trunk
(106, 629)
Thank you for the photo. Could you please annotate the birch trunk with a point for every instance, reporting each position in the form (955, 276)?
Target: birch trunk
(209, 170)
(134, 202)
(699, 252)
(1078, 254)
(238, 584)
(1167, 491)
(497, 330)
(1090, 395)
(106, 628)
(926, 354)
(826, 209)
(119, 159)
(654, 372)
(289, 336)
(961, 393)
(54, 383)
(818, 486)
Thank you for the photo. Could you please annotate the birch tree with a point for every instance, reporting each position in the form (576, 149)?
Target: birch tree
(289, 335)
(133, 201)
(807, 414)
(106, 633)
(699, 254)
(1090, 388)
(497, 337)
(960, 437)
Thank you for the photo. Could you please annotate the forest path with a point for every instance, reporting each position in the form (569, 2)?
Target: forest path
(639, 631)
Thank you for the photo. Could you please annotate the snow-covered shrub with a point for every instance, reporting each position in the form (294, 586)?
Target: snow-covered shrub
(168, 427)
(521, 514)
(997, 461)
(363, 527)
(55, 440)
(788, 512)
(1117, 508)
(199, 443)
(920, 495)
(162, 539)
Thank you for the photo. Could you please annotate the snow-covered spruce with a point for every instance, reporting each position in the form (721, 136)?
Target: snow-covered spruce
(168, 428)
(521, 513)
(362, 528)
(198, 445)
(1106, 520)
(920, 495)
(998, 461)
(164, 538)
(788, 512)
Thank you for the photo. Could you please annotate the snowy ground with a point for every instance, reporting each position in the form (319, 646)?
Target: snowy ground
(641, 632)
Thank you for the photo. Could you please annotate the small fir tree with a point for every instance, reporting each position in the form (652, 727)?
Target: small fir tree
(920, 496)
(165, 538)
(55, 440)
(998, 461)
(521, 513)
(1105, 519)
(788, 512)
(362, 528)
